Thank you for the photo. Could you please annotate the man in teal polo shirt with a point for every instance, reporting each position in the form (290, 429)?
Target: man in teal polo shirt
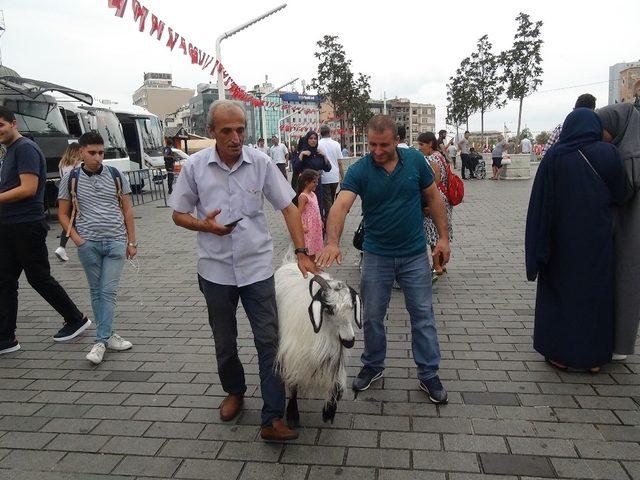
(394, 185)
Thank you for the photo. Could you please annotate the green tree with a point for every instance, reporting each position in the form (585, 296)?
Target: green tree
(335, 80)
(521, 63)
(524, 133)
(460, 96)
(484, 80)
(542, 138)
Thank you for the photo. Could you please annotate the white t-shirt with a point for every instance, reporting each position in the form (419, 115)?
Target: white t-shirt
(525, 144)
(278, 153)
(452, 150)
(333, 152)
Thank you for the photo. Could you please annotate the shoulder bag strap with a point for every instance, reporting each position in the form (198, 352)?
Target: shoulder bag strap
(589, 163)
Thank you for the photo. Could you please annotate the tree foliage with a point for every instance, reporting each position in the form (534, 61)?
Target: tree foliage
(484, 79)
(460, 96)
(522, 62)
(542, 138)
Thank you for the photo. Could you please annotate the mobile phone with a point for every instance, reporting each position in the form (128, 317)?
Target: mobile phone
(234, 223)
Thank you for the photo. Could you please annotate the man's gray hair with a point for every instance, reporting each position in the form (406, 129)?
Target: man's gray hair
(325, 131)
(224, 104)
(382, 123)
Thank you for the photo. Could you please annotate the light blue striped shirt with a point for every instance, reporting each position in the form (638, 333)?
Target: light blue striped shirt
(205, 184)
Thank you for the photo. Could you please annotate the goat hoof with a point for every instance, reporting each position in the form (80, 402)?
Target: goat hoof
(329, 413)
(293, 419)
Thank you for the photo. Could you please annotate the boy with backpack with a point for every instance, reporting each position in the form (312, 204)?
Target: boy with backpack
(95, 210)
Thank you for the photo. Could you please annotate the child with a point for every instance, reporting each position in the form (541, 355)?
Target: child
(70, 159)
(310, 211)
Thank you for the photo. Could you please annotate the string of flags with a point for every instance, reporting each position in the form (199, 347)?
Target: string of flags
(148, 21)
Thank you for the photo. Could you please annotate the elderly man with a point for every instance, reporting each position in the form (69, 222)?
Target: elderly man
(227, 185)
(393, 183)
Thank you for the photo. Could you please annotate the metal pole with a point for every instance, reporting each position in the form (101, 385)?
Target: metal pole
(232, 32)
(282, 119)
(262, 108)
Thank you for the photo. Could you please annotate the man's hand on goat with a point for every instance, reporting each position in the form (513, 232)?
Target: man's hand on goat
(443, 250)
(306, 265)
(328, 255)
(210, 225)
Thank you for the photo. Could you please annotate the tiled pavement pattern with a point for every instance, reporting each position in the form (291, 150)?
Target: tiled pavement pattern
(151, 412)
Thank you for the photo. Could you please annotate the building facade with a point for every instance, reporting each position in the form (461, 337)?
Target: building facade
(630, 84)
(617, 90)
(158, 94)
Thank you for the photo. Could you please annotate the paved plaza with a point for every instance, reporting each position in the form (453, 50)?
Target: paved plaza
(151, 412)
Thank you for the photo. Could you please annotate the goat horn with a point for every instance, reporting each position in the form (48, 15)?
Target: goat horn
(320, 281)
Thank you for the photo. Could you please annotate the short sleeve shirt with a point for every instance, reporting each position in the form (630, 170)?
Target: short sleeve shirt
(22, 156)
(206, 184)
(99, 215)
(278, 153)
(391, 203)
(465, 146)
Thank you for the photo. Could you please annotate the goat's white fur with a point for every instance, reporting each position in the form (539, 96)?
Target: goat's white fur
(312, 362)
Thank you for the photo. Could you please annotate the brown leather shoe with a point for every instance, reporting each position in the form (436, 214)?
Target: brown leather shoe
(231, 406)
(278, 432)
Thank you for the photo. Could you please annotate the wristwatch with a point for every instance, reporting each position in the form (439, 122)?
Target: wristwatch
(301, 250)
(133, 244)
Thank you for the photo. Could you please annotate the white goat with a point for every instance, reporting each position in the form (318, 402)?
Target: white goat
(314, 316)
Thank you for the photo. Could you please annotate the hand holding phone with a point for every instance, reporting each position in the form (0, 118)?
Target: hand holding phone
(233, 224)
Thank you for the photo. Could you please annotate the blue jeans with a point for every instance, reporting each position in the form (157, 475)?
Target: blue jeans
(259, 302)
(103, 261)
(414, 276)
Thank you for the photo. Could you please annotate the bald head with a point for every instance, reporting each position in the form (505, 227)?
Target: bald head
(224, 107)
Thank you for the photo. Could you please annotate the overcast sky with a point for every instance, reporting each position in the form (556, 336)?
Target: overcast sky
(411, 53)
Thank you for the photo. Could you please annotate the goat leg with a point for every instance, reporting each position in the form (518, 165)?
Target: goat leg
(330, 408)
(293, 415)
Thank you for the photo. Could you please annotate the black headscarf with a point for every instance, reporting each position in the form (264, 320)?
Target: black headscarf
(581, 127)
(305, 141)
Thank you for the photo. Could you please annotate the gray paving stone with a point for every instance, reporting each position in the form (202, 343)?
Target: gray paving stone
(207, 449)
(377, 422)
(161, 414)
(70, 425)
(486, 398)
(229, 432)
(71, 442)
(442, 425)
(381, 458)
(271, 471)
(148, 466)
(524, 465)
(88, 463)
(257, 451)
(31, 460)
(348, 438)
(445, 461)
(209, 469)
(26, 440)
(595, 469)
(602, 450)
(313, 455)
(389, 474)
(542, 447)
(121, 427)
(174, 430)
(474, 443)
(22, 424)
(352, 473)
(133, 445)
(125, 376)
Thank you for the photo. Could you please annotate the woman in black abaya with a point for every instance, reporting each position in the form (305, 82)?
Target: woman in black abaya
(569, 244)
(309, 157)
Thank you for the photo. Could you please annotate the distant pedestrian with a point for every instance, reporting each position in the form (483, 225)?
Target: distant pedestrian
(621, 123)
(310, 212)
(345, 152)
(570, 217)
(23, 234)
(453, 152)
(586, 100)
(279, 153)
(104, 231)
(464, 147)
(333, 177)
(525, 145)
(169, 162)
(260, 146)
(226, 186)
(312, 157)
(443, 145)
(70, 159)
(496, 157)
(402, 136)
(427, 144)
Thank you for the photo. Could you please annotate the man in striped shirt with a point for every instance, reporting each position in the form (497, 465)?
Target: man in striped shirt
(104, 232)
(586, 100)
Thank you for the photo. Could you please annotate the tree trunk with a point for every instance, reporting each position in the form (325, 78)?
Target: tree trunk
(482, 127)
(519, 116)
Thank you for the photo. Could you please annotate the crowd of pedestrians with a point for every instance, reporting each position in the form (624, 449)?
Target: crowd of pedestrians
(582, 202)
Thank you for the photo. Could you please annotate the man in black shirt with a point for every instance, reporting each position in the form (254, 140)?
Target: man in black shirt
(169, 162)
(23, 234)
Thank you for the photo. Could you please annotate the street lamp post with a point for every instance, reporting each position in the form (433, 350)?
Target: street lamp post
(282, 119)
(262, 108)
(232, 32)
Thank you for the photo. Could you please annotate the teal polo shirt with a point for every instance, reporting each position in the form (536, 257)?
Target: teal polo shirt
(391, 203)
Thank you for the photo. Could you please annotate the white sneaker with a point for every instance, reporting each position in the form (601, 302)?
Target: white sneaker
(116, 342)
(61, 253)
(618, 356)
(96, 353)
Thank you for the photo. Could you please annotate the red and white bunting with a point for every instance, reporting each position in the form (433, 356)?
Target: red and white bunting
(196, 55)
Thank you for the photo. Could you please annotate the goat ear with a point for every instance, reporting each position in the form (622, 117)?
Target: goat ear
(315, 315)
(357, 307)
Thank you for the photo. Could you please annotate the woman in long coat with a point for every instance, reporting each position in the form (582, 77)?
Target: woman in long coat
(621, 123)
(310, 157)
(569, 244)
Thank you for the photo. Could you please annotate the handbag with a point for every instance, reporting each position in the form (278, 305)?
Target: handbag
(358, 236)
